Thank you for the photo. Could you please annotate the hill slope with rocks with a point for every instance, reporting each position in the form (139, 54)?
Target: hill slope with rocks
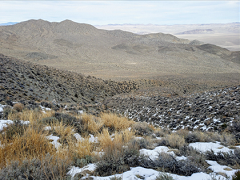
(21, 80)
(113, 54)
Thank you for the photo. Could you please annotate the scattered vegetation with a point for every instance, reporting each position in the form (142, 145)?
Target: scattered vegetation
(26, 153)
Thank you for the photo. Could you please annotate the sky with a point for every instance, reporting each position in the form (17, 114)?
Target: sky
(122, 12)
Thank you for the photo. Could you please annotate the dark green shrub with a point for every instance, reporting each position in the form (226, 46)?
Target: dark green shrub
(141, 143)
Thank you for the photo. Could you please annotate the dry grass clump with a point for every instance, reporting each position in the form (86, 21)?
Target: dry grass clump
(92, 124)
(64, 132)
(114, 122)
(120, 138)
(82, 148)
(159, 132)
(32, 144)
(173, 140)
(18, 107)
(30, 115)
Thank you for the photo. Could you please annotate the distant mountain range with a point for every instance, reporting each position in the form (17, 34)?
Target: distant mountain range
(112, 54)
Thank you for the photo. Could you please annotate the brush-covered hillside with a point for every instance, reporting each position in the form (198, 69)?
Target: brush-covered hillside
(21, 80)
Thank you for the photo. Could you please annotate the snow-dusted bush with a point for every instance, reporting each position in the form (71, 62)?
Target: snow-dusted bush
(170, 164)
(225, 158)
(164, 176)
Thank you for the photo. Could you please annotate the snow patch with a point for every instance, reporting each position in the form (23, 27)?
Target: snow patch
(55, 140)
(208, 146)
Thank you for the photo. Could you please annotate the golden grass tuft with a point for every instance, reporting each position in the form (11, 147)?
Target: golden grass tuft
(92, 124)
(104, 139)
(32, 144)
(30, 115)
(115, 122)
(119, 139)
(81, 149)
(62, 130)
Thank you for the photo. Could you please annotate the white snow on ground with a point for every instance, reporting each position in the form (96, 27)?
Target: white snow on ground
(91, 138)
(44, 109)
(54, 142)
(1, 107)
(74, 170)
(4, 123)
(153, 154)
(208, 146)
(47, 128)
(136, 172)
(219, 168)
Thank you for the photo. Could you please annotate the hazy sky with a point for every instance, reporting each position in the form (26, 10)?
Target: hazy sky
(120, 12)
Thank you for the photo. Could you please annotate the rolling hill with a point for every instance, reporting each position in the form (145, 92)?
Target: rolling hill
(113, 54)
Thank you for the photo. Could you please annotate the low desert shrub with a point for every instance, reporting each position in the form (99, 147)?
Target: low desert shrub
(164, 176)
(225, 158)
(18, 107)
(236, 176)
(194, 155)
(161, 132)
(227, 139)
(115, 178)
(117, 159)
(80, 162)
(141, 143)
(172, 140)
(142, 129)
(48, 167)
(170, 164)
